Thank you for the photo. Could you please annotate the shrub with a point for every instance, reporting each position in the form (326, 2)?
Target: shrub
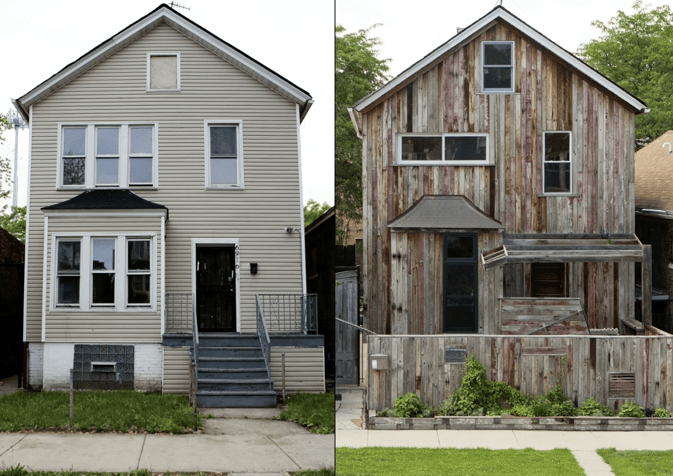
(661, 413)
(408, 406)
(386, 412)
(631, 410)
(591, 407)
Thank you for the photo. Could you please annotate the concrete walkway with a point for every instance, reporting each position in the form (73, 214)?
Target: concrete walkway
(582, 444)
(242, 441)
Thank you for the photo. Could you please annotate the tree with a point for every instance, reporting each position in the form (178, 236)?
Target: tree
(359, 71)
(313, 210)
(15, 223)
(5, 169)
(636, 52)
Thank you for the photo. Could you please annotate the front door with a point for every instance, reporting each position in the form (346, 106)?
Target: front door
(347, 337)
(216, 289)
(460, 283)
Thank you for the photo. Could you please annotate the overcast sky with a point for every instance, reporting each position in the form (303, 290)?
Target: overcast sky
(294, 38)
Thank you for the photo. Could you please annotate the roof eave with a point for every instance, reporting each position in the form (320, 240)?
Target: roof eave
(500, 13)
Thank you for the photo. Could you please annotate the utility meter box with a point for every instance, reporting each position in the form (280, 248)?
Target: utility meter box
(379, 362)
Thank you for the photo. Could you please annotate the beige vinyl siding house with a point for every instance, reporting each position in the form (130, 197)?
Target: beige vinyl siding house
(199, 129)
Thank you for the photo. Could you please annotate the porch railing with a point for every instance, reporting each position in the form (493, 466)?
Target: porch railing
(178, 312)
(289, 313)
(263, 335)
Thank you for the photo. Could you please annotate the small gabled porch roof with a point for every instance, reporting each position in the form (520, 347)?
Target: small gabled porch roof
(440, 213)
(97, 200)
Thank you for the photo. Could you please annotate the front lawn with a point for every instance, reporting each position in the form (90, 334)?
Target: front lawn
(313, 410)
(638, 463)
(121, 410)
(451, 461)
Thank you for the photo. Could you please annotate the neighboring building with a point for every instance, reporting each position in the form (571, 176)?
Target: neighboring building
(499, 200)
(12, 253)
(654, 221)
(161, 193)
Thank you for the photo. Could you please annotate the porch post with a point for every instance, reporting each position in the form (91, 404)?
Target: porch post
(646, 285)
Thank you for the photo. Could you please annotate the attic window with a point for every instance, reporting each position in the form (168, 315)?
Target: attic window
(163, 71)
(498, 71)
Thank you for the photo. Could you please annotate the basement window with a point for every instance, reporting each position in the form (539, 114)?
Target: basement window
(109, 367)
(163, 71)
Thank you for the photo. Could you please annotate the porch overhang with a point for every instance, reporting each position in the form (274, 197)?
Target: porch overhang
(444, 213)
(587, 248)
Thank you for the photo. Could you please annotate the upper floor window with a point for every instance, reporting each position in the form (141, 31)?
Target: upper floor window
(443, 149)
(163, 71)
(557, 163)
(102, 155)
(498, 66)
(224, 154)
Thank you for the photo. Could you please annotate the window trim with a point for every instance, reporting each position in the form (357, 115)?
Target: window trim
(124, 165)
(570, 162)
(114, 271)
(97, 156)
(207, 124)
(86, 272)
(443, 162)
(58, 275)
(128, 272)
(162, 53)
(512, 88)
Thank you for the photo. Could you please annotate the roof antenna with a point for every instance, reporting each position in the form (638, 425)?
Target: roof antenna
(498, 3)
(670, 148)
(177, 5)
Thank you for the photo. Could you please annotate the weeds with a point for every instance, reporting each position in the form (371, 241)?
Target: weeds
(313, 410)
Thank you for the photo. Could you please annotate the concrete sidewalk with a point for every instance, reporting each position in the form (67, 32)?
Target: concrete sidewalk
(236, 441)
(582, 444)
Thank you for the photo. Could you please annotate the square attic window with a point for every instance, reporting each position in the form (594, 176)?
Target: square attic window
(163, 71)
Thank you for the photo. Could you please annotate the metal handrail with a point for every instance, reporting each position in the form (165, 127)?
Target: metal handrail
(263, 335)
(356, 326)
(195, 337)
(289, 313)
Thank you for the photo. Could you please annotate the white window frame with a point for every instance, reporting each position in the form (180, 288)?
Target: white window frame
(484, 65)
(86, 273)
(107, 156)
(207, 124)
(124, 155)
(443, 162)
(104, 271)
(151, 272)
(163, 53)
(58, 275)
(569, 162)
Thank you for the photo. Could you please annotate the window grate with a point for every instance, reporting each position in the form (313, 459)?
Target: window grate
(622, 385)
(455, 356)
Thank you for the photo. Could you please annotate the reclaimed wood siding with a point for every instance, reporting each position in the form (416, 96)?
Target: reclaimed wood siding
(549, 96)
(211, 89)
(531, 364)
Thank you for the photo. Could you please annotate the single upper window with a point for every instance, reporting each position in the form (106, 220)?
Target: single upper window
(163, 71)
(121, 155)
(498, 66)
(443, 149)
(224, 160)
(68, 272)
(557, 163)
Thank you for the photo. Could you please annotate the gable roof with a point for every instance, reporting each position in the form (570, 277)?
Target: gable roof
(654, 174)
(165, 14)
(98, 199)
(444, 212)
(485, 22)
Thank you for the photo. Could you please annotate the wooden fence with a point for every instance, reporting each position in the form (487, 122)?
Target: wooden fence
(611, 369)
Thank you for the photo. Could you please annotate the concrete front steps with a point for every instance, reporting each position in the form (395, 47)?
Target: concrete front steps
(232, 372)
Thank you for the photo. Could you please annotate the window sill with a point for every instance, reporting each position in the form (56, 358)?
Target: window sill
(444, 164)
(131, 187)
(513, 93)
(163, 90)
(224, 188)
(111, 309)
(557, 195)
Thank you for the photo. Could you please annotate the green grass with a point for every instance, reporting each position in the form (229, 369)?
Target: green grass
(451, 461)
(122, 411)
(632, 463)
(311, 472)
(313, 410)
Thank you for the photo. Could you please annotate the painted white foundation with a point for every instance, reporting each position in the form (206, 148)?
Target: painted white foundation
(35, 364)
(58, 360)
(148, 367)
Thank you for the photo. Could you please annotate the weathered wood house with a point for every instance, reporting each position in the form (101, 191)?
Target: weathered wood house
(165, 219)
(498, 167)
(498, 201)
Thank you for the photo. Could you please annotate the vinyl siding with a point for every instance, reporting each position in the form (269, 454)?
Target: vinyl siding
(176, 370)
(132, 326)
(211, 89)
(304, 369)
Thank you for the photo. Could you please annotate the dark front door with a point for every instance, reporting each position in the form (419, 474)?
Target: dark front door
(347, 337)
(216, 289)
(460, 283)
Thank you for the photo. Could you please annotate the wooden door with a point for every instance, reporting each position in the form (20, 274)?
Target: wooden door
(347, 337)
(216, 289)
(548, 279)
(460, 283)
